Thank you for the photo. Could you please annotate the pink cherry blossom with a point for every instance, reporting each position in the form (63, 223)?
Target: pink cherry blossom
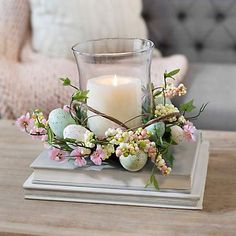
(38, 133)
(189, 130)
(97, 156)
(66, 108)
(58, 155)
(25, 122)
(79, 159)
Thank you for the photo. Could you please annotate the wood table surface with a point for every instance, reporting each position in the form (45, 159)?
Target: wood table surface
(33, 217)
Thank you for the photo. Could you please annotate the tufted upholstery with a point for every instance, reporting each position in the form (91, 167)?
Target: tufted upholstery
(213, 83)
(203, 30)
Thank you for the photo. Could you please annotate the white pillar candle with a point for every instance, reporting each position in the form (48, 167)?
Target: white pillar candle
(116, 96)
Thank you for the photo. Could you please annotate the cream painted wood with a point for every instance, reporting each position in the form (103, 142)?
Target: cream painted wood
(26, 217)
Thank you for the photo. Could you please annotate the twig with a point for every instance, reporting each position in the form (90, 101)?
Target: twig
(202, 108)
(144, 114)
(88, 117)
(162, 118)
(104, 115)
(75, 118)
(157, 88)
(72, 86)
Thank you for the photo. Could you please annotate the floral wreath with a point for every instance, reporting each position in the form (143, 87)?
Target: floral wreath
(163, 125)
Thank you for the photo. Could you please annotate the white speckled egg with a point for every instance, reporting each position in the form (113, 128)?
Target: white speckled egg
(134, 162)
(58, 119)
(74, 132)
(177, 134)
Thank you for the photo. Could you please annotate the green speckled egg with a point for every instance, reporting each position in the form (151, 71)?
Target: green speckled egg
(151, 128)
(58, 119)
(158, 127)
(134, 162)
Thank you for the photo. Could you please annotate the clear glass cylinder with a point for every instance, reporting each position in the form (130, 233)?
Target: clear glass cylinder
(112, 62)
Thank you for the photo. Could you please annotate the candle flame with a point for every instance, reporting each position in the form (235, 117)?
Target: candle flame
(115, 81)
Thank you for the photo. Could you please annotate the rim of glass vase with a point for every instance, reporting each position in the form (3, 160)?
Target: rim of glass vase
(149, 46)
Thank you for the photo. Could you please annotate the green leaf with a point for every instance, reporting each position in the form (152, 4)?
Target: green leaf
(148, 183)
(66, 81)
(39, 125)
(169, 157)
(152, 179)
(80, 95)
(159, 129)
(50, 135)
(187, 107)
(80, 114)
(161, 141)
(171, 74)
(155, 183)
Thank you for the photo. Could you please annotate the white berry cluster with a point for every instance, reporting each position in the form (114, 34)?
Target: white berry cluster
(131, 142)
(171, 90)
(163, 110)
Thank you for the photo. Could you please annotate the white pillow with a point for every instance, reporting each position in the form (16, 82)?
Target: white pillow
(59, 24)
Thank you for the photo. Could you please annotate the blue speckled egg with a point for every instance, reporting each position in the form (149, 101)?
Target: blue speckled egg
(58, 119)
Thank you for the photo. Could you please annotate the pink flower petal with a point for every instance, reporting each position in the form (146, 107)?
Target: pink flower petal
(189, 130)
(97, 156)
(57, 154)
(80, 161)
(25, 122)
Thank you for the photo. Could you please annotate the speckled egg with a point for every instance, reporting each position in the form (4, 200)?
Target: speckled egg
(58, 119)
(150, 128)
(158, 125)
(74, 132)
(177, 134)
(134, 162)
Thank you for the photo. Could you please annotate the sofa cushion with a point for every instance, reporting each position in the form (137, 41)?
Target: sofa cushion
(59, 24)
(213, 83)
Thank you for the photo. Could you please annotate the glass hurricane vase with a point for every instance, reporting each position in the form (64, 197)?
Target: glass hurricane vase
(116, 71)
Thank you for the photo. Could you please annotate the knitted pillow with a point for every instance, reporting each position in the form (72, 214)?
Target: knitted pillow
(14, 23)
(59, 24)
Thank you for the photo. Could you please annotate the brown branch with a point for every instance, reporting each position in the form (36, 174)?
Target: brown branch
(104, 115)
(144, 114)
(162, 118)
(74, 117)
(86, 119)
